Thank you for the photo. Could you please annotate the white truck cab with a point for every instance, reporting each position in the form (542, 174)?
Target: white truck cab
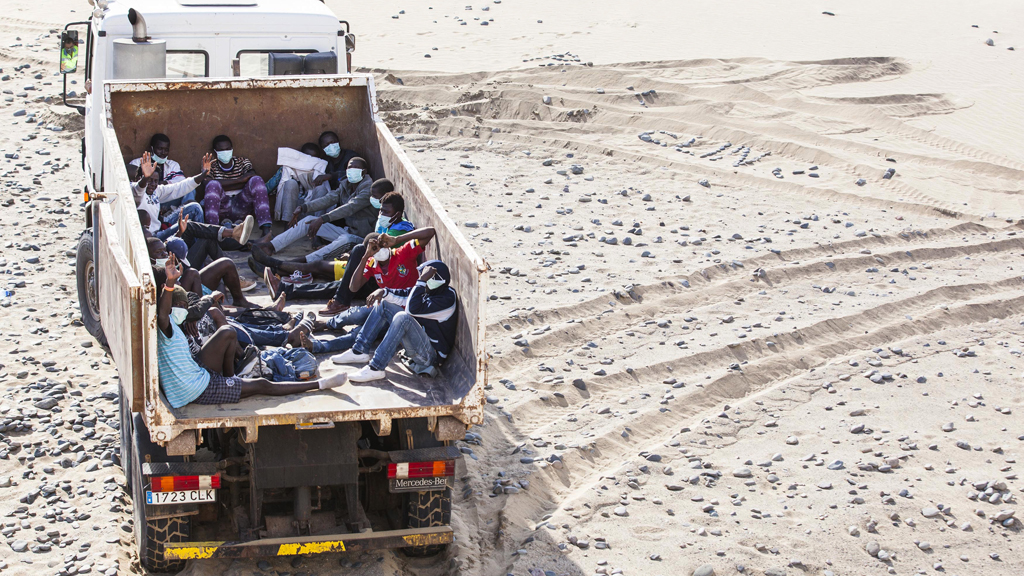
(128, 39)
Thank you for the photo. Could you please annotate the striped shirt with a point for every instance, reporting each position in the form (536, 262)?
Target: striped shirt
(239, 166)
(181, 378)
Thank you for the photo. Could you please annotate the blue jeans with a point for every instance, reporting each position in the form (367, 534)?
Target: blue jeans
(194, 212)
(376, 323)
(354, 316)
(408, 333)
(339, 344)
(265, 335)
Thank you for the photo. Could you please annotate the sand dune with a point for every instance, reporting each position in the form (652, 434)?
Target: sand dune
(782, 370)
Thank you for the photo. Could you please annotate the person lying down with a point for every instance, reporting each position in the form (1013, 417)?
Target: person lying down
(208, 378)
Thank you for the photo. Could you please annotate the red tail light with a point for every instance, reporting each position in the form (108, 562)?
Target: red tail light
(178, 483)
(422, 469)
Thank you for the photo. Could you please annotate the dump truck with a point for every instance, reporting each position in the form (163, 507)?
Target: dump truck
(369, 467)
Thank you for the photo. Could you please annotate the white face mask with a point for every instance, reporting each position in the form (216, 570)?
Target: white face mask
(178, 315)
(354, 174)
(382, 255)
(159, 160)
(333, 150)
(160, 262)
(225, 156)
(382, 223)
(435, 283)
(375, 202)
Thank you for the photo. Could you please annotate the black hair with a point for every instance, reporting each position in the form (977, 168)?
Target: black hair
(382, 185)
(315, 148)
(328, 133)
(221, 138)
(369, 237)
(396, 201)
(358, 159)
(157, 138)
(144, 218)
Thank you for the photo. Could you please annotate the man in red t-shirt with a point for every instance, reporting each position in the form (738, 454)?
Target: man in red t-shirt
(395, 271)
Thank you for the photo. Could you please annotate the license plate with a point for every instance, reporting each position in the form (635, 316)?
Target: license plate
(180, 497)
(419, 484)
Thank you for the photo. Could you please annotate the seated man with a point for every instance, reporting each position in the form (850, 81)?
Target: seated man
(209, 278)
(151, 195)
(209, 241)
(296, 176)
(425, 329)
(347, 224)
(392, 265)
(391, 222)
(184, 380)
(234, 189)
(167, 172)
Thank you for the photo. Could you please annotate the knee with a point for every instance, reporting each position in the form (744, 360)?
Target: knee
(213, 187)
(257, 183)
(225, 334)
(402, 318)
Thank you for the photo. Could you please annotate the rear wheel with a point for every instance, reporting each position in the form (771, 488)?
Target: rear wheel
(88, 290)
(152, 535)
(424, 509)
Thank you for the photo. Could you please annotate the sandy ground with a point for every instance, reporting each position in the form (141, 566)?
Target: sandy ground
(779, 371)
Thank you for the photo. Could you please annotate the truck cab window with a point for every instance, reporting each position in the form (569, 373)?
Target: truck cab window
(187, 64)
(257, 62)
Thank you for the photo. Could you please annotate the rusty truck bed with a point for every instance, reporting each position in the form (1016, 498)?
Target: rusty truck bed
(190, 112)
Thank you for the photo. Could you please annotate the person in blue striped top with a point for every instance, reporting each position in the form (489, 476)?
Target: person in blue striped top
(208, 379)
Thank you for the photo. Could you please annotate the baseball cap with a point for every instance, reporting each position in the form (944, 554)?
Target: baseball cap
(178, 247)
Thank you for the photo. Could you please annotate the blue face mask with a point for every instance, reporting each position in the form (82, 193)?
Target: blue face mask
(354, 175)
(435, 283)
(225, 156)
(158, 159)
(178, 315)
(333, 150)
(383, 222)
(375, 202)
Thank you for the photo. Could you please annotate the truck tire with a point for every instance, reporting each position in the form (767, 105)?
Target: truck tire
(88, 292)
(151, 535)
(425, 510)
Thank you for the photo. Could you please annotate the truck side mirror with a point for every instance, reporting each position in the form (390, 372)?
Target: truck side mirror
(68, 51)
(350, 42)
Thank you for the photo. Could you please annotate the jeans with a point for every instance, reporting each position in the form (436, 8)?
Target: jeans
(404, 330)
(355, 316)
(376, 323)
(290, 195)
(335, 235)
(339, 344)
(351, 317)
(265, 335)
(251, 199)
(195, 214)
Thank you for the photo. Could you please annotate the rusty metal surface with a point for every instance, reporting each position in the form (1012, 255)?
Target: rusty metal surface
(260, 115)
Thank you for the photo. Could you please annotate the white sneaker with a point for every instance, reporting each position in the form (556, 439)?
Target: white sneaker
(366, 373)
(350, 357)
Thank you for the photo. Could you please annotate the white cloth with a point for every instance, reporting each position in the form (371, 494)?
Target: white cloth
(163, 193)
(295, 164)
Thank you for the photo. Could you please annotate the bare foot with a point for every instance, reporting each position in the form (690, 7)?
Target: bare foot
(279, 304)
(241, 302)
(306, 341)
(295, 335)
